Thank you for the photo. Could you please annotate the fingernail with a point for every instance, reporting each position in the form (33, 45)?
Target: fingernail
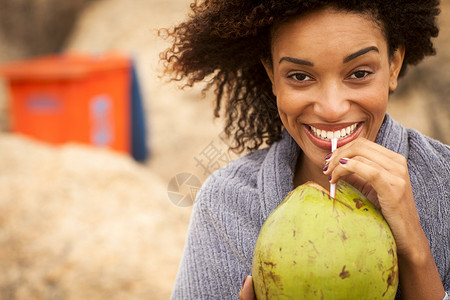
(328, 156)
(343, 161)
(243, 281)
(329, 178)
(325, 168)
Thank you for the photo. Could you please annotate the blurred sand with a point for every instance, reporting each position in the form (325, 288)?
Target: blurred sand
(85, 223)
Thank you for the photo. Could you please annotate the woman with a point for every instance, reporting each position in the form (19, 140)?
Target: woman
(294, 74)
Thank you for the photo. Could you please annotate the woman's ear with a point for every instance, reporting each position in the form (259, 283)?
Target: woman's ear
(395, 67)
(269, 70)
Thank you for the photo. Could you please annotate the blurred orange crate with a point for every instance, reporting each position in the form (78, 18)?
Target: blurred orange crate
(72, 97)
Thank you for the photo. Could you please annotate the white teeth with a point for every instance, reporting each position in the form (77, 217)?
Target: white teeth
(339, 134)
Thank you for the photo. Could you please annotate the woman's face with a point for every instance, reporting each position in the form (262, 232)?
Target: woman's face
(331, 74)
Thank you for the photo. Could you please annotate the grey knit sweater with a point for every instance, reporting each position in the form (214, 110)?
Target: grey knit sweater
(236, 200)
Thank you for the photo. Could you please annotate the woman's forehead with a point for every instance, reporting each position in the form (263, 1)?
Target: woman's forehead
(330, 15)
(327, 27)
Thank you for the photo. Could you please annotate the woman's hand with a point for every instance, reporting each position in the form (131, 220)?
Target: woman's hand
(247, 293)
(382, 176)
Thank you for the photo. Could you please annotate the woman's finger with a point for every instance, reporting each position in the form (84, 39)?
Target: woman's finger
(380, 178)
(338, 172)
(389, 160)
(390, 188)
(247, 293)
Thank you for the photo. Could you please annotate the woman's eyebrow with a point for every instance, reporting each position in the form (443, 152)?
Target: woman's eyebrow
(296, 61)
(346, 59)
(359, 53)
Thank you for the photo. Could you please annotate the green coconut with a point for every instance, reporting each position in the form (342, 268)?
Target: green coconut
(314, 246)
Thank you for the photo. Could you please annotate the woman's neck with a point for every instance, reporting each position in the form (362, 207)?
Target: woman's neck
(306, 171)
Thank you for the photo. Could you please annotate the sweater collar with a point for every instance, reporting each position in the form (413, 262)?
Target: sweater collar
(393, 136)
(275, 179)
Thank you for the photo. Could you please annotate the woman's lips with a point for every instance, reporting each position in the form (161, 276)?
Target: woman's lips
(345, 134)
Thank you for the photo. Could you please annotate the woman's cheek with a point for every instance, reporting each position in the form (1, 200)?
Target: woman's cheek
(292, 102)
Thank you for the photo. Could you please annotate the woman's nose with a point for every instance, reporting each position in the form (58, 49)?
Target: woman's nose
(332, 104)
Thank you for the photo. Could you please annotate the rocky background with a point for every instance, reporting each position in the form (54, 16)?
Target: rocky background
(77, 222)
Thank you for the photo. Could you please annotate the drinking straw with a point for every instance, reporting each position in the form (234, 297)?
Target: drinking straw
(333, 185)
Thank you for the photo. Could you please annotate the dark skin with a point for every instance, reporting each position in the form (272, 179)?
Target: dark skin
(325, 89)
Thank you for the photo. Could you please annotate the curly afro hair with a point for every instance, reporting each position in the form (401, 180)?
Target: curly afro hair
(224, 41)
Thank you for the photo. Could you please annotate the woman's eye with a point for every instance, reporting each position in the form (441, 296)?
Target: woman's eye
(300, 77)
(360, 74)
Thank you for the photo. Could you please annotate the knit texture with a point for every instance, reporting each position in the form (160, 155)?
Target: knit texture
(234, 202)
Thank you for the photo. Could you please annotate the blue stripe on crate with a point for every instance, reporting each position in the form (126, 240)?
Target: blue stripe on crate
(139, 149)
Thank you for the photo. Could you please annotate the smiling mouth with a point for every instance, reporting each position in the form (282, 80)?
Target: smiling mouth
(338, 134)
